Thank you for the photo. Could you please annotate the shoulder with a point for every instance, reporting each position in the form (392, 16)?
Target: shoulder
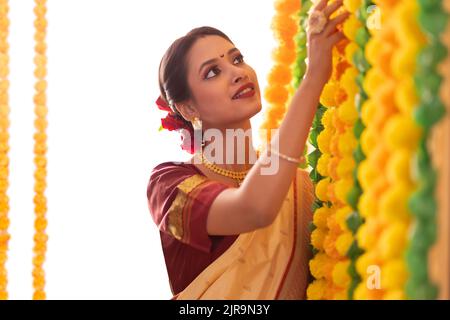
(169, 172)
(171, 165)
(165, 180)
(179, 198)
(171, 168)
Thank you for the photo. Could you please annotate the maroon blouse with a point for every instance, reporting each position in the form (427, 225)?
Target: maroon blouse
(179, 197)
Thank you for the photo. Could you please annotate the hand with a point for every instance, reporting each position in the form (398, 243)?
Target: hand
(320, 45)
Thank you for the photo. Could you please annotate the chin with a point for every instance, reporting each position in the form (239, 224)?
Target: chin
(255, 109)
(258, 106)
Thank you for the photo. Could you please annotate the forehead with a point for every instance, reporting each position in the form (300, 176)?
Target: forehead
(206, 48)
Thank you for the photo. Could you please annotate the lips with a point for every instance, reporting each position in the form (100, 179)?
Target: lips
(249, 85)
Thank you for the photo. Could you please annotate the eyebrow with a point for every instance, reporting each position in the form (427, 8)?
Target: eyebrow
(215, 59)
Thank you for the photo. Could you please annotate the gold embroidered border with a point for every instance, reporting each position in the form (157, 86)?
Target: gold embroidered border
(175, 213)
(193, 195)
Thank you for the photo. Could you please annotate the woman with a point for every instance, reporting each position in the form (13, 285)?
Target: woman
(230, 230)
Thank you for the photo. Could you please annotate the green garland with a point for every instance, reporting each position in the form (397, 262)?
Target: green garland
(317, 126)
(302, 52)
(432, 20)
(355, 220)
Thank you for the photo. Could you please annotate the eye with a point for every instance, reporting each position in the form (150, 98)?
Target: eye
(214, 68)
(240, 57)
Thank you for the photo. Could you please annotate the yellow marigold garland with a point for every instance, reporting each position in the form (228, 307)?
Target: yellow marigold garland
(336, 142)
(279, 89)
(4, 146)
(385, 175)
(40, 149)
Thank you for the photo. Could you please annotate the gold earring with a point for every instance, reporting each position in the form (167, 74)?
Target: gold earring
(197, 123)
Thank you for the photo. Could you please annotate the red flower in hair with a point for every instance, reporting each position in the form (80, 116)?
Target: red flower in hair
(162, 105)
(173, 122)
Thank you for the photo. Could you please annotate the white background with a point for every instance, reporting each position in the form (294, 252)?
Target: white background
(103, 136)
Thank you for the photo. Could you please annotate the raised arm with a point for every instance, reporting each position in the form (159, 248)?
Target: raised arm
(256, 203)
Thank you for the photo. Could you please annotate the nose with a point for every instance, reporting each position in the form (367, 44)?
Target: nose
(240, 76)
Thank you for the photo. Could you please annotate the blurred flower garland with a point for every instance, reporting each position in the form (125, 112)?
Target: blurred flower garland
(366, 185)
(432, 20)
(385, 175)
(40, 149)
(279, 88)
(444, 68)
(4, 146)
(364, 12)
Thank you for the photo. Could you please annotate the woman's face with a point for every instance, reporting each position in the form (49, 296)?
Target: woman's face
(213, 84)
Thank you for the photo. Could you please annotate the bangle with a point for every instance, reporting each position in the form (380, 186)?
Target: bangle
(295, 160)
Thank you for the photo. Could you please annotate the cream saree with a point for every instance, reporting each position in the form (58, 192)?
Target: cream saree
(265, 264)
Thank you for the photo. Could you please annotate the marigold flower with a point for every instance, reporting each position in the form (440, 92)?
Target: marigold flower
(316, 290)
(321, 266)
(402, 132)
(322, 164)
(341, 216)
(395, 274)
(343, 243)
(340, 274)
(318, 237)
(321, 189)
(320, 217)
(328, 95)
(393, 240)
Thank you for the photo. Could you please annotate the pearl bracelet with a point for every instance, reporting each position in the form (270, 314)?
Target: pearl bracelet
(295, 160)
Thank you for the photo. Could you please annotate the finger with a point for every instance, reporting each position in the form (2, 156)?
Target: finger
(321, 5)
(336, 37)
(332, 24)
(332, 7)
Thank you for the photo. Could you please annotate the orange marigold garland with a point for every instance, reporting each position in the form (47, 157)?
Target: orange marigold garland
(40, 149)
(279, 89)
(4, 146)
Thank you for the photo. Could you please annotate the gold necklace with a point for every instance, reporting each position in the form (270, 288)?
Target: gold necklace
(239, 176)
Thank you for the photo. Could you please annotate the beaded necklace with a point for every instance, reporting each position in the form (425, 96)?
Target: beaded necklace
(239, 176)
